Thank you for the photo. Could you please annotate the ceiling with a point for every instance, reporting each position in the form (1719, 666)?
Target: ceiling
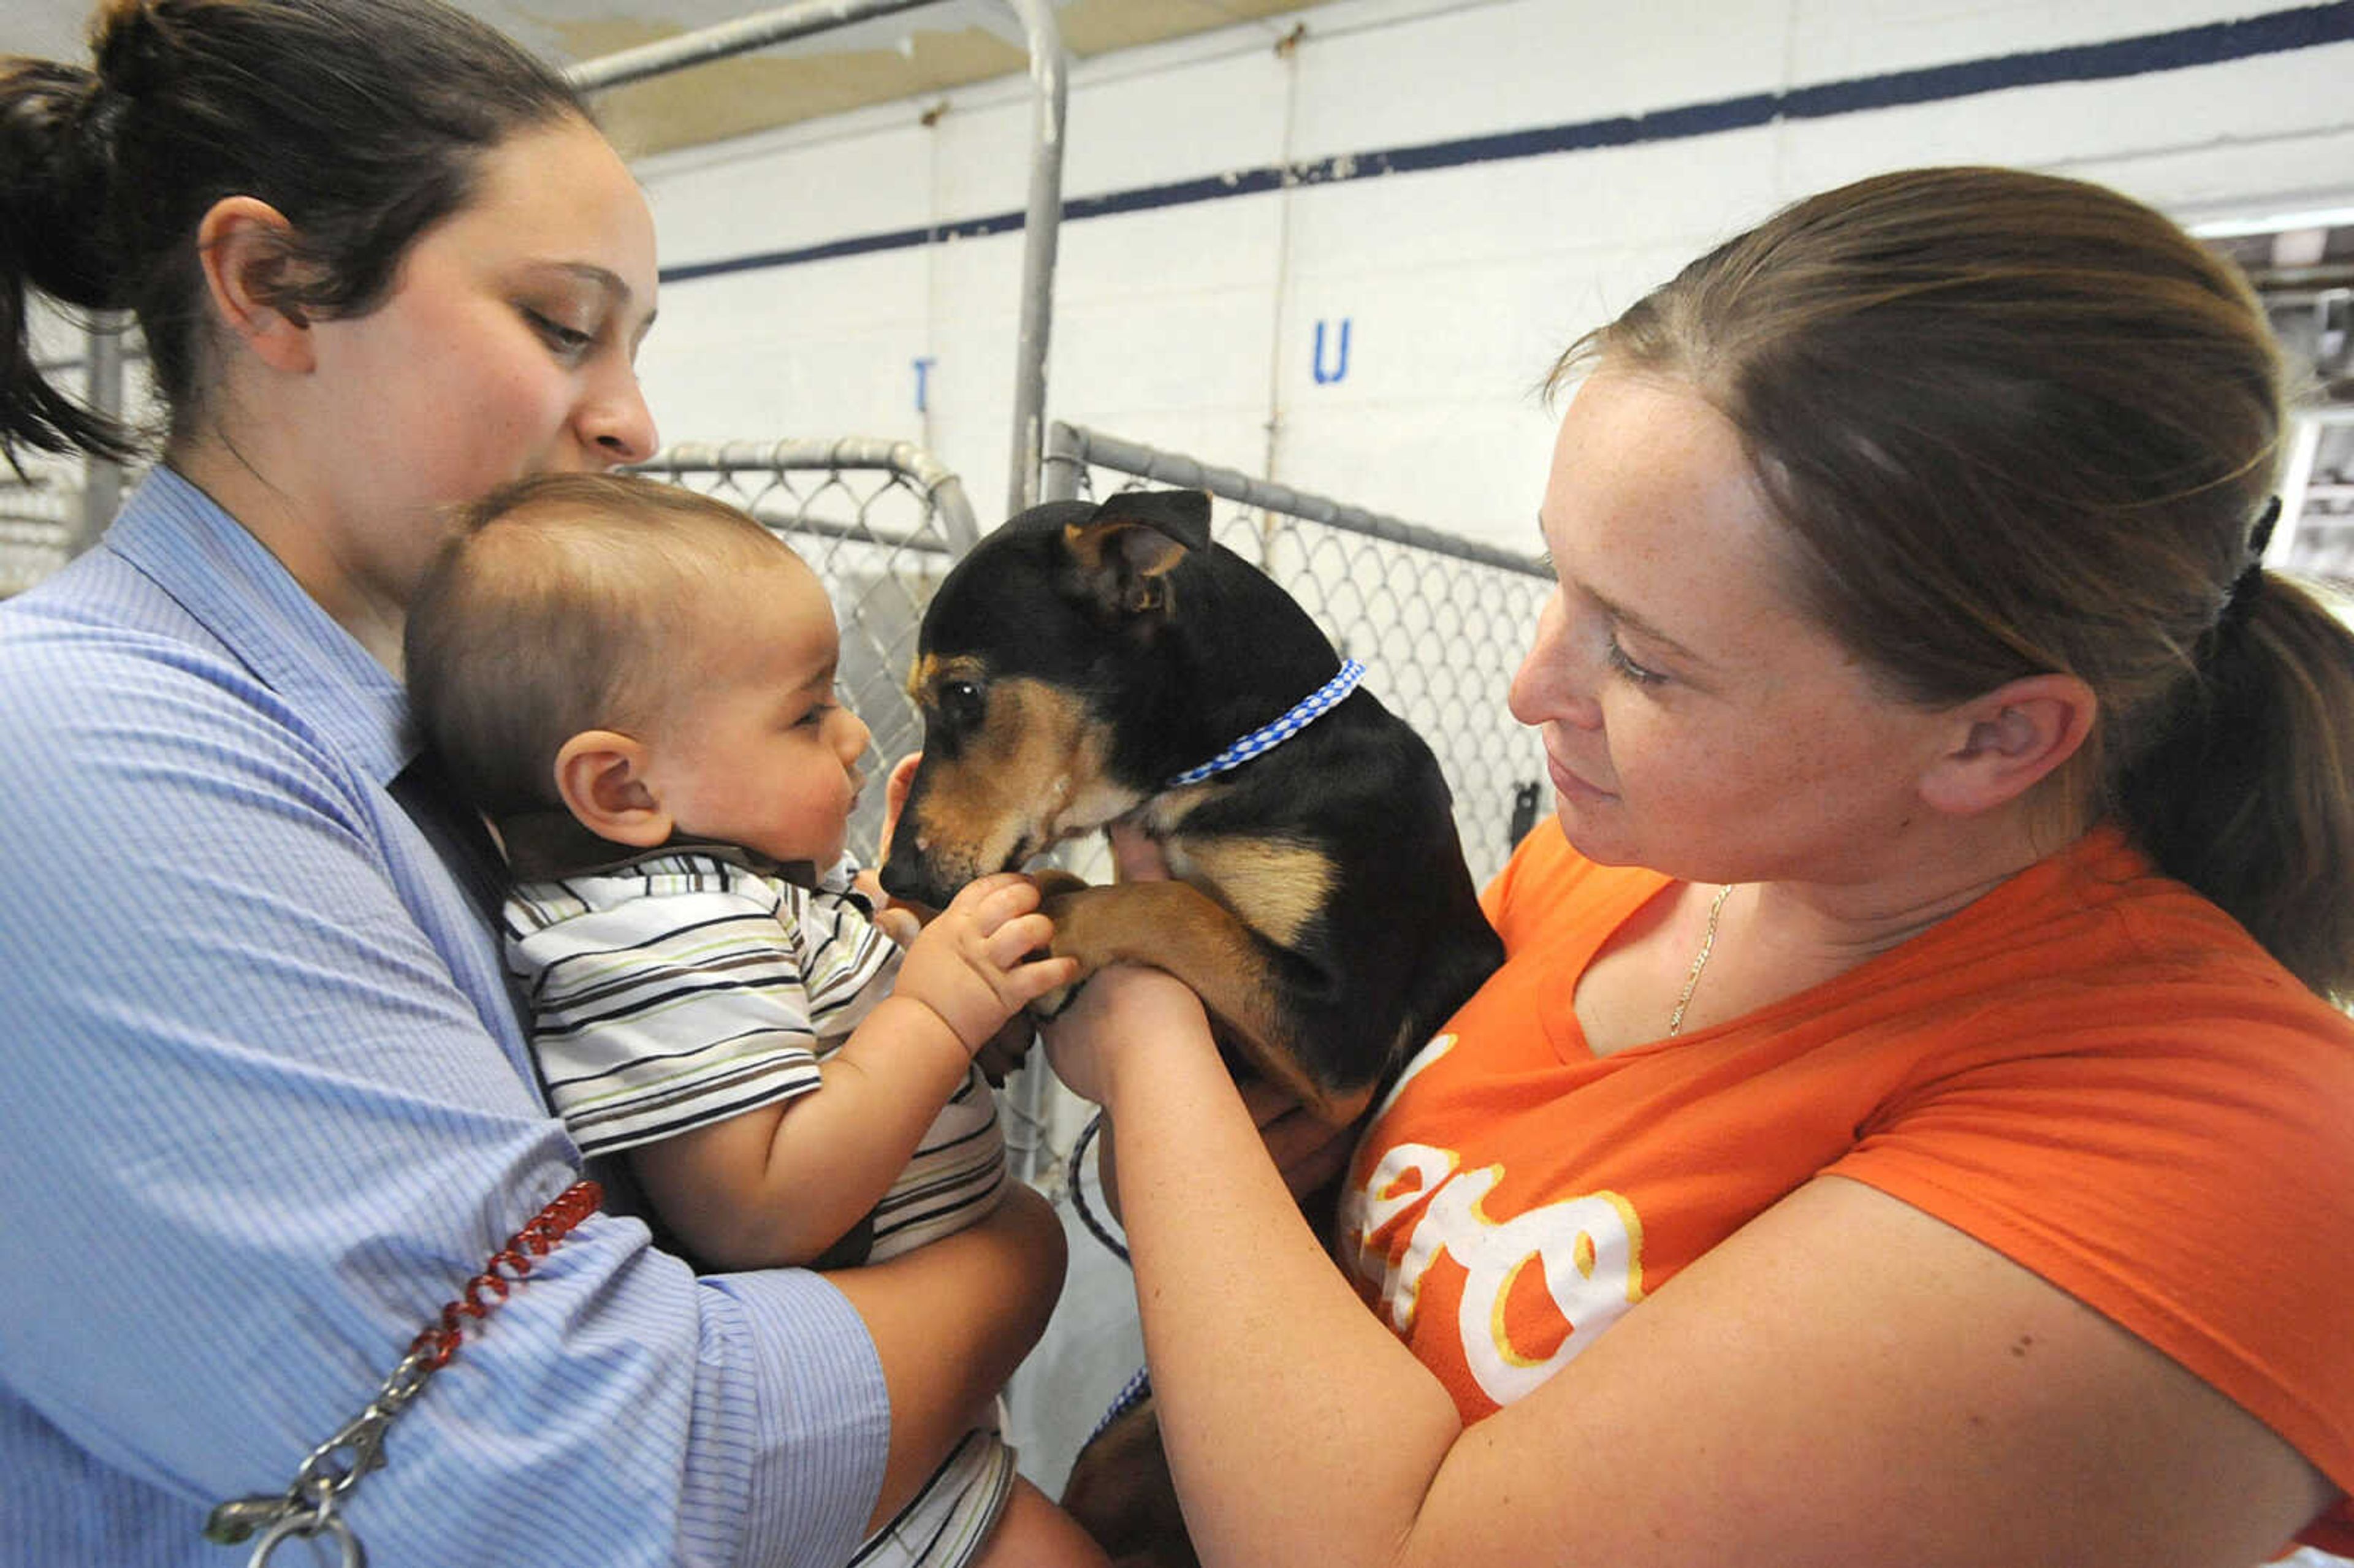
(2304, 268)
(911, 55)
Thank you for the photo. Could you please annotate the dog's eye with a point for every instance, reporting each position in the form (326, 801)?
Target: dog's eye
(960, 702)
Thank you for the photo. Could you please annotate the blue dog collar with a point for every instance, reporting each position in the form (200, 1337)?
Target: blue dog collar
(1267, 737)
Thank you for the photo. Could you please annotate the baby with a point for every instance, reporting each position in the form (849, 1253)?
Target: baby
(636, 685)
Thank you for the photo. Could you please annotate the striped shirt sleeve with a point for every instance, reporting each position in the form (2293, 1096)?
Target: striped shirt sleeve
(686, 990)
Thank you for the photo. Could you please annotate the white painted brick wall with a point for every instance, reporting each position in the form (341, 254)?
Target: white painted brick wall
(1194, 327)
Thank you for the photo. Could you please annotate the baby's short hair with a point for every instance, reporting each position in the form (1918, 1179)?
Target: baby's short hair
(565, 603)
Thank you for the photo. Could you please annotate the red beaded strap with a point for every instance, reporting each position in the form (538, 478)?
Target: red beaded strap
(507, 1267)
(308, 1509)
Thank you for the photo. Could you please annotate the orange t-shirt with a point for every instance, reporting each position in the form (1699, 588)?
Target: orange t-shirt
(2091, 1069)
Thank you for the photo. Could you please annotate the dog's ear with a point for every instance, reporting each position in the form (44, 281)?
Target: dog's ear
(1124, 551)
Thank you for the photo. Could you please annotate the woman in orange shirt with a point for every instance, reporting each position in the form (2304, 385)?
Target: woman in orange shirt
(1909, 1126)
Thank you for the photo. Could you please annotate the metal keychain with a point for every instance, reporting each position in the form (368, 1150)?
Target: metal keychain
(295, 1527)
(306, 1510)
(308, 1507)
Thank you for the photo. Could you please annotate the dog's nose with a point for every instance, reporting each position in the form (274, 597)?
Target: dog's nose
(905, 875)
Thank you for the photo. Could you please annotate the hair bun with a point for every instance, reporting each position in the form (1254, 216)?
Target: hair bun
(57, 144)
(133, 45)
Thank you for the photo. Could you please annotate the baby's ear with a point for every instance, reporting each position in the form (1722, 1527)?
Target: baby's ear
(602, 776)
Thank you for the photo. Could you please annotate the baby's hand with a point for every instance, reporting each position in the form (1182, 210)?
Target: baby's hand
(973, 964)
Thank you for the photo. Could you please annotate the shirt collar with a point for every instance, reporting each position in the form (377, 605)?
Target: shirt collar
(183, 541)
(548, 846)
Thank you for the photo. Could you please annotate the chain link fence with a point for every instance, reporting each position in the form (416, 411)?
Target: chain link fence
(879, 521)
(39, 518)
(1439, 621)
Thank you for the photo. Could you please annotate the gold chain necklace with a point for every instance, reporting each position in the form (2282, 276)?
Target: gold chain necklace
(1699, 959)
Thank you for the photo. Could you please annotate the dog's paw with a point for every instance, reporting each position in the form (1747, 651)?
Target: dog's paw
(1053, 880)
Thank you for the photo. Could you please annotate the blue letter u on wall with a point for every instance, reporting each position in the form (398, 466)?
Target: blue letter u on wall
(1341, 363)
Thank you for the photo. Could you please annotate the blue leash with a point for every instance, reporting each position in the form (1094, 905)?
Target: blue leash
(1139, 1385)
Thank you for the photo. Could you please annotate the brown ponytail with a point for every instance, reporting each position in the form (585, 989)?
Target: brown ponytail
(56, 157)
(2247, 792)
(361, 121)
(2021, 424)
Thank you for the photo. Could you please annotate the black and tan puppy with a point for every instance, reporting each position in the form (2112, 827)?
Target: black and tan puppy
(1085, 664)
(1077, 668)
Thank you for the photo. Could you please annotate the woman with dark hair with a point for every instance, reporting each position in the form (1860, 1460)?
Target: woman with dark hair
(269, 1107)
(1911, 1125)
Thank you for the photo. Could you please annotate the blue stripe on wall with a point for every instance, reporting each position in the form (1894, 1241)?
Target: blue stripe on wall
(2277, 32)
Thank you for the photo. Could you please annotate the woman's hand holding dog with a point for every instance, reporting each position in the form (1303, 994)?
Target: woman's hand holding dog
(1127, 1005)
(1129, 1002)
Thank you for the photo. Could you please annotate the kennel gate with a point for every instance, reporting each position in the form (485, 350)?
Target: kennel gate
(37, 528)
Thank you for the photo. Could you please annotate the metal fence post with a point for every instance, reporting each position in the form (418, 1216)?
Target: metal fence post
(101, 494)
(1064, 463)
(1042, 223)
(740, 37)
(1040, 229)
